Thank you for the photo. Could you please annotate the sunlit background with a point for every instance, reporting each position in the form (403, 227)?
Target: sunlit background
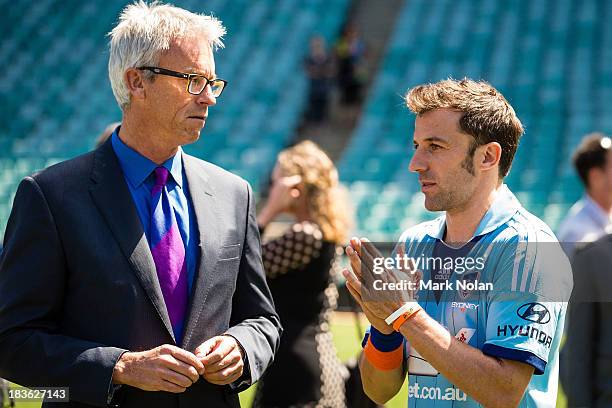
(552, 59)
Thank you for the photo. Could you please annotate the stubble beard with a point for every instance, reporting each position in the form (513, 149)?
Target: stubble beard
(452, 198)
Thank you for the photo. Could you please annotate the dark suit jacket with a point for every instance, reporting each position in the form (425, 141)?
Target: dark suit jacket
(78, 285)
(588, 347)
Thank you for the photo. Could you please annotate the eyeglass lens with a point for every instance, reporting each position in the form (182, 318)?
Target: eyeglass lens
(198, 83)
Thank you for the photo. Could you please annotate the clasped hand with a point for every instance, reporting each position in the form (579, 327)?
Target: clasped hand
(376, 300)
(169, 368)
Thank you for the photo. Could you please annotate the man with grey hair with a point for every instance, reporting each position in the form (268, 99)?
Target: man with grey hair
(132, 274)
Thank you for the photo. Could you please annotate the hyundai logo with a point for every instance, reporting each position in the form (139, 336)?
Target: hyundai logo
(534, 312)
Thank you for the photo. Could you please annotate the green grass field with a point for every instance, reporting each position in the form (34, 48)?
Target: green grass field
(348, 345)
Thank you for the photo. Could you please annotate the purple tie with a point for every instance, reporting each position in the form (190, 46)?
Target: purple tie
(168, 253)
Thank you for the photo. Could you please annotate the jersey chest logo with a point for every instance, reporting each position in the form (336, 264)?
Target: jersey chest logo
(466, 282)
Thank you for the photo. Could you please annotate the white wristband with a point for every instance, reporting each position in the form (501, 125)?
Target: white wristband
(409, 307)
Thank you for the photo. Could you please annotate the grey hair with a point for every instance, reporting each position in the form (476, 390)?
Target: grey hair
(145, 31)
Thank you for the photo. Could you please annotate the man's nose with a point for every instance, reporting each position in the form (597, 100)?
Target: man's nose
(417, 163)
(206, 98)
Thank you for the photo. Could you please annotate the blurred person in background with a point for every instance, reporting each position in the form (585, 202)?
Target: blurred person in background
(299, 264)
(587, 373)
(350, 54)
(318, 65)
(591, 217)
(133, 274)
(106, 133)
(464, 345)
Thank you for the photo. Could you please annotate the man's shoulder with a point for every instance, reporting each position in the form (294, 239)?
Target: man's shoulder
(525, 235)
(524, 226)
(576, 224)
(422, 231)
(532, 258)
(603, 246)
(77, 168)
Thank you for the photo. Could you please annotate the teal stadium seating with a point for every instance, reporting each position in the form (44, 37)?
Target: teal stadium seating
(56, 96)
(552, 59)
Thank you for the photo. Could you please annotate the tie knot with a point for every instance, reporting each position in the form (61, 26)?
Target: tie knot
(161, 176)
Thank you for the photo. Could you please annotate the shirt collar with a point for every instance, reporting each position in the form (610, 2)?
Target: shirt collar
(595, 211)
(503, 208)
(137, 167)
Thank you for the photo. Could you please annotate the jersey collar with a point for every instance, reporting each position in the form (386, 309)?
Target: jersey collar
(501, 211)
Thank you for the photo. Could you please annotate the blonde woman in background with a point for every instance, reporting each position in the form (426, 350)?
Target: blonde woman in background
(306, 371)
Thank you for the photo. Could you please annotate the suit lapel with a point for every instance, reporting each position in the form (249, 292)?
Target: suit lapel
(114, 200)
(205, 208)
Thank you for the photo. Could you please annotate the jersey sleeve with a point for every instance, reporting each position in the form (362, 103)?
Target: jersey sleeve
(527, 306)
(523, 329)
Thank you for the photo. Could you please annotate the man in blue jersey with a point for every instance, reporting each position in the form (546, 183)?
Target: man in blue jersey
(479, 313)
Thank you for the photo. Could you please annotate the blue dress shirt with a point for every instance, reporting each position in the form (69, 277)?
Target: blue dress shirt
(138, 173)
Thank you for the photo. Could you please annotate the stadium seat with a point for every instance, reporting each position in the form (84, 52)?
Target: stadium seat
(551, 59)
(56, 96)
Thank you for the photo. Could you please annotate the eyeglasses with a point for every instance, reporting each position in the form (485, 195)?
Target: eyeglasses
(195, 83)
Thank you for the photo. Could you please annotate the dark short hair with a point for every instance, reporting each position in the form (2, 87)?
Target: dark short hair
(591, 153)
(487, 115)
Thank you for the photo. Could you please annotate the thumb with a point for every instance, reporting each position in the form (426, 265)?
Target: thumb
(401, 251)
(206, 347)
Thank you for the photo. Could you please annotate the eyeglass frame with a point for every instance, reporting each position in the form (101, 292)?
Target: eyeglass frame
(188, 77)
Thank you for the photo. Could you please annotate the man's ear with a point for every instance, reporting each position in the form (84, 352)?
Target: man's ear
(134, 80)
(489, 156)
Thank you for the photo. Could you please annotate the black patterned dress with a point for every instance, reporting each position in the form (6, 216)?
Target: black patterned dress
(306, 371)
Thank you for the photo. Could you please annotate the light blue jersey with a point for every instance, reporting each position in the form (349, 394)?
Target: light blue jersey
(514, 308)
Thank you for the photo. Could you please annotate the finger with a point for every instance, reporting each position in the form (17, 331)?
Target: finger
(222, 381)
(408, 266)
(354, 293)
(354, 260)
(187, 358)
(367, 262)
(175, 378)
(369, 253)
(418, 275)
(231, 359)
(206, 347)
(352, 279)
(171, 387)
(352, 284)
(401, 251)
(222, 348)
(225, 376)
(356, 245)
(180, 367)
(368, 246)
